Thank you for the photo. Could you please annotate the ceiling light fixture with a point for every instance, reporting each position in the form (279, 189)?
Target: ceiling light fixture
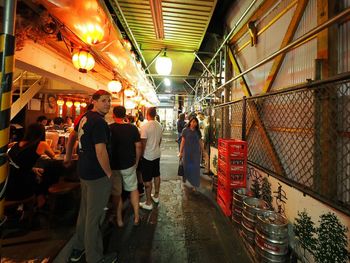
(83, 61)
(163, 65)
(114, 85)
(167, 82)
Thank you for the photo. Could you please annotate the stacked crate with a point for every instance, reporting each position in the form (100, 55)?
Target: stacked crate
(232, 171)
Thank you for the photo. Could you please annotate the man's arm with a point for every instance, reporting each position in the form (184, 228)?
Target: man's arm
(143, 143)
(73, 136)
(103, 159)
(138, 147)
(182, 145)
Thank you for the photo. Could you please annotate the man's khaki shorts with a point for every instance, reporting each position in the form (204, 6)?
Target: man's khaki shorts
(124, 179)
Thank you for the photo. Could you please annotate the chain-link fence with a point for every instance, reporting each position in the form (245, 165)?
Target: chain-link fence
(302, 135)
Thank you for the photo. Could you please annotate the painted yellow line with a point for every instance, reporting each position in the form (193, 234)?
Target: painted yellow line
(6, 101)
(4, 137)
(8, 64)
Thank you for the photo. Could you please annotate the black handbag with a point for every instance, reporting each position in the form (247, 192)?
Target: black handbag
(180, 170)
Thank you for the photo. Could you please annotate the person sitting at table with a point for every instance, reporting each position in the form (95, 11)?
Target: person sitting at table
(42, 120)
(22, 182)
(57, 124)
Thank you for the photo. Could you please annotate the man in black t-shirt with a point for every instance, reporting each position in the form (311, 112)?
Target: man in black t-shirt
(126, 152)
(94, 171)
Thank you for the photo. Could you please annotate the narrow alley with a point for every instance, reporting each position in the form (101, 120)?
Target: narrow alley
(184, 227)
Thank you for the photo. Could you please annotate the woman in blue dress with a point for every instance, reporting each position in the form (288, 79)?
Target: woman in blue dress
(190, 151)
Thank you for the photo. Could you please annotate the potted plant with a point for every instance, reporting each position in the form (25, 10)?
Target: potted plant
(332, 240)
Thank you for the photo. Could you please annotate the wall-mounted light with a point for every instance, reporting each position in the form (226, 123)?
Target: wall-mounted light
(83, 104)
(83, 61)
(77, 104)
(127, 44)
(114, 86)
(129, 92)
(91, 33)
(69, 103)
(129, 105)
(163, 65)
(167, 82)
(60, 102)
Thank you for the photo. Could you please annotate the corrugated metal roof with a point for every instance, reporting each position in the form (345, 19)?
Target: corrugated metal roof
(184, 24)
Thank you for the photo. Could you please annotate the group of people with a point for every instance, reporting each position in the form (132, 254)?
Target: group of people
(110, 159)
(109, 156)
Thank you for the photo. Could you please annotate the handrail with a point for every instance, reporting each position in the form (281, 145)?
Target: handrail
(303, 86)
(286, 48)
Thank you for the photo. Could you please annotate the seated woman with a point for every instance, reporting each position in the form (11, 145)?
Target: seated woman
(22, 182)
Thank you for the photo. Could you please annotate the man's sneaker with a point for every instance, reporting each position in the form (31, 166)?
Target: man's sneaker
(109, 258)
(155, 199)
(76, 255)
(143, 205)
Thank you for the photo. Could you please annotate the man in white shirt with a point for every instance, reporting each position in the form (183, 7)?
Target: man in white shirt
(151, 137)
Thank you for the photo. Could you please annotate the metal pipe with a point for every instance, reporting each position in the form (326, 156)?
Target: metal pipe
(244, 118)
(204, 66)
(7, 47)
(231, 32)
(133, 40)
(299, 88)
(189, 85)
(179, 76)
(286, 48)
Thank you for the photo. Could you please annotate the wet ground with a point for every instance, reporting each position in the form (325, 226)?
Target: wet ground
(185, 226)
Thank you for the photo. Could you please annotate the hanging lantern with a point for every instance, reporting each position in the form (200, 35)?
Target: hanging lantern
(127, 44)
(138, 98)
(83, 104)
(143, 102)
(129, 92)
(60, 102)
(83, 61)
(114, 86)
(129, 105)
(77, 104)
(69, 103)
(91, 33)
(163, 65)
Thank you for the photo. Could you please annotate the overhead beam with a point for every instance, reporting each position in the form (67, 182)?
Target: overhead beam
(157, 17)
(42, 61)
(179, 76)
(288, 37)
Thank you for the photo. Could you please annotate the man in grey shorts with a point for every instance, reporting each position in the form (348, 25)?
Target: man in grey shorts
(126, 153)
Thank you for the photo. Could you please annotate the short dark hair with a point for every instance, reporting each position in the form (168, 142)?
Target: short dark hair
(100, 93)
(152, 112)
(119, 111)
(34, 133)
(41, 118)
(58, 120)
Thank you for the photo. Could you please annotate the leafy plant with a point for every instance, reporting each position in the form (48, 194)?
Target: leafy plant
(266, 191)
(332, 241)
(304, 229)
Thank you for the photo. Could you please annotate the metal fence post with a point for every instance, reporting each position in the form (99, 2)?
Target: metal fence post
(244, 118)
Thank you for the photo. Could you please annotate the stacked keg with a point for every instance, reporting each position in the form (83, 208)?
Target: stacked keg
(237, 204)
(271, 237)
(252, 207)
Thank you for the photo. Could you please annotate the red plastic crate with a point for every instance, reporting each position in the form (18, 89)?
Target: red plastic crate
(226, 209)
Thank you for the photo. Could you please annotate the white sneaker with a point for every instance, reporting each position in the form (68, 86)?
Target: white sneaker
(155, 199)
(143, 205)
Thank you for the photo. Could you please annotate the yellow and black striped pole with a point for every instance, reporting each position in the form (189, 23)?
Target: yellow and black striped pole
(7, 50)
